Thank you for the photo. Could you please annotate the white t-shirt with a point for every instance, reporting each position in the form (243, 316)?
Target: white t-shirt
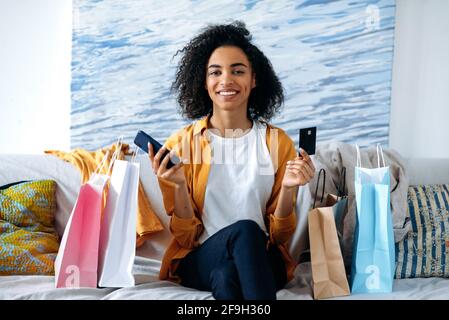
(240, 181)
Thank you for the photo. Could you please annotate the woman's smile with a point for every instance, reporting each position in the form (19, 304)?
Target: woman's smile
(227, 95)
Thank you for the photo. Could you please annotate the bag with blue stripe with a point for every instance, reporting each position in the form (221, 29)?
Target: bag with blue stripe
(373, 260)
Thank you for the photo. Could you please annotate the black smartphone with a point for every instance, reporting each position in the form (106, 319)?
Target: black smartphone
(307, 139)
(142, 139)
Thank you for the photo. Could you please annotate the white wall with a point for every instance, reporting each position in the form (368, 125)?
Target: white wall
(419, 120)
(35, 57)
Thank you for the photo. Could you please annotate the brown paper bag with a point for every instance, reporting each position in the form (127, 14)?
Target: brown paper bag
(328, 270)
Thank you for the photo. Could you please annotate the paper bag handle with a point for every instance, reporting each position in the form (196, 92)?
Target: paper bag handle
(317, 184)
(342, 185)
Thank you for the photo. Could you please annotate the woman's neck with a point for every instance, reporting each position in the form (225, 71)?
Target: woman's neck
(230, 125)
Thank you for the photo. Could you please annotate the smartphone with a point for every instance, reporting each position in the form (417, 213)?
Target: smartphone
(307, 139)
(142, 139)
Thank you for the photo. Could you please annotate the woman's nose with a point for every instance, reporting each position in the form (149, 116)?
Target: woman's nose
(226, 79)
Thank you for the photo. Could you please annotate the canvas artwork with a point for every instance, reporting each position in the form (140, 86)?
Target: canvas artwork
(334, 59)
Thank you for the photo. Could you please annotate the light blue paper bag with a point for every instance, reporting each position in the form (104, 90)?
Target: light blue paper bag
(373, 260)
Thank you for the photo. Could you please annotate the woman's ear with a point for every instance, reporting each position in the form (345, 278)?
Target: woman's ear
(253, 81)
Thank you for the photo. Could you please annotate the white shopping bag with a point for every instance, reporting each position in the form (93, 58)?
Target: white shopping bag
(118, 228)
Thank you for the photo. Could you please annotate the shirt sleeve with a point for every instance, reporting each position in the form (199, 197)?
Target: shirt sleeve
(186, 231)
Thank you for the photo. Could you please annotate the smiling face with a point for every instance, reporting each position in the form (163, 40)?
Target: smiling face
(229, 78)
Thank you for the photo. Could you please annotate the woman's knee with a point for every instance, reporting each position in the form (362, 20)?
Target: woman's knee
(248, 234)
(225, 282)
(224, 272)
(247, 227)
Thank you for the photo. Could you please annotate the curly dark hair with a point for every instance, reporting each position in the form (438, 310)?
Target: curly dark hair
(265, 99)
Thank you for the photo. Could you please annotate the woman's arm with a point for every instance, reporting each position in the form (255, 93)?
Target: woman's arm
(284, 206)
(183, 206)
(184, 225)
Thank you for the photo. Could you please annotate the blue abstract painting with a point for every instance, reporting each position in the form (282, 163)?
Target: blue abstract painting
(334, 59)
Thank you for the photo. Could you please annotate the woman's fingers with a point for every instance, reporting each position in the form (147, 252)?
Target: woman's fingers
(302, 175)
(157, 158)
(305, 156)
(311, 170)
(303, 165)
(163, 166)
(170, 155)
(151, 154)
(306, 167)
(307, 176)
(170, 171)
(150, 151)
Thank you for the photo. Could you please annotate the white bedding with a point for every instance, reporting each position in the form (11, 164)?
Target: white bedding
(148, 287)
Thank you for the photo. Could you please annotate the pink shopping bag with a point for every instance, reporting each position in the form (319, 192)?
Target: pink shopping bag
(77, 260)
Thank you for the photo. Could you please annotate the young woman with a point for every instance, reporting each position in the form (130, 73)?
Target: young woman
(231, 199)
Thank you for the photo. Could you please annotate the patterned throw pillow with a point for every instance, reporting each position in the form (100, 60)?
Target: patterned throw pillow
(424, 252)
(28, 240)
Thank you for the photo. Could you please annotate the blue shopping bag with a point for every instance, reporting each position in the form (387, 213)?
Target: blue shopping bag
(373, 261)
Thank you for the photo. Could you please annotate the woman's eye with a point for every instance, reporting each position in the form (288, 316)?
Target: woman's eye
(218, 72)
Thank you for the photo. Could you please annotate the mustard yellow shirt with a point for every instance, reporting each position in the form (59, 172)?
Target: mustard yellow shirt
(191, 143)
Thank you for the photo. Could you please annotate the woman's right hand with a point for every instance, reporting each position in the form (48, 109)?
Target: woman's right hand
(175, 174)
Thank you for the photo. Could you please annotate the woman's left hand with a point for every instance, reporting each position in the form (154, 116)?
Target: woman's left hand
(299, 171)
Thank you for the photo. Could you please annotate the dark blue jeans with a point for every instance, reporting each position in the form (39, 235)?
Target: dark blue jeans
(235, 264)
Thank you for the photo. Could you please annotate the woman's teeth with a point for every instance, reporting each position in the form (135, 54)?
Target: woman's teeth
(227, 93)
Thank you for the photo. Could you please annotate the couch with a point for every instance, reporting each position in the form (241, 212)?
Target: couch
(148, 256)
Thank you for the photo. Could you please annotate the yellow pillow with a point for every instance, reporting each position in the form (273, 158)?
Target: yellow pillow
(28, 240)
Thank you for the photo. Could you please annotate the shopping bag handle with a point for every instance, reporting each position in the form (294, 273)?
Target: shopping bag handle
(359, 160)
(317, 184)
(379, 147)
(114, 157)
(133, 159)
(380, 155)
(342, 184)
(101, 164)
